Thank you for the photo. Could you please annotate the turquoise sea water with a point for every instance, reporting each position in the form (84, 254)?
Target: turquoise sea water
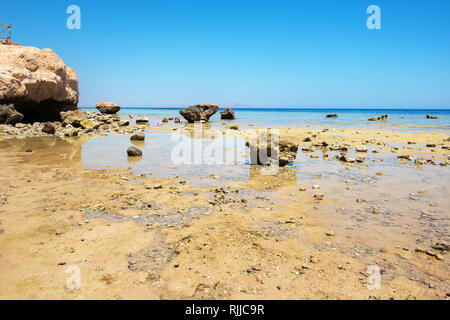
(412, 118)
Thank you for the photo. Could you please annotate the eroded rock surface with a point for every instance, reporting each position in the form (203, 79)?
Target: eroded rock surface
(227, 114)
(9, 115)
(107, 107)
(199, 112)
(37, 82)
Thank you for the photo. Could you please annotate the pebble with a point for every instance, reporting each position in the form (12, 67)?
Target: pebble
(329, 234)
(302, 188)
(316, 187)
(313, 259)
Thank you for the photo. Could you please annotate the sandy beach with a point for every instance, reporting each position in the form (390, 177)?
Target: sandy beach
(136, 236)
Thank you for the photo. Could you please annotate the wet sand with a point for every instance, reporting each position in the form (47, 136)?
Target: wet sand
(224, 232)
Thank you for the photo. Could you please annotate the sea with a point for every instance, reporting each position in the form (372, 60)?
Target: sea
(400, 118)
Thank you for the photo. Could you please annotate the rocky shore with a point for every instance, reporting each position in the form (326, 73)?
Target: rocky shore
(341, 200)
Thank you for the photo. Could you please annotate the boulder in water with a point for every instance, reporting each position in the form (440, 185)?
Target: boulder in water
(107, 107)
(199, 112)
(227, 114)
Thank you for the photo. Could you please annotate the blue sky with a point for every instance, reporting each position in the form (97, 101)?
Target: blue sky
(259, 53)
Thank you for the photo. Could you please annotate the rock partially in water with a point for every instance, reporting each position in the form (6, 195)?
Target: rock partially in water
(9, 115)
(134, 152)
(382, 118)
(199, 112)
(227, 114)
(142, 120)
(361, 148)
(429, 116)
(346, 158)
(107, 107)
(140, 136)
(332, 116)
(263, 153)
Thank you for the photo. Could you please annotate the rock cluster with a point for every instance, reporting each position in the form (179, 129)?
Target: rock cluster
(382, 118)
(199, 112)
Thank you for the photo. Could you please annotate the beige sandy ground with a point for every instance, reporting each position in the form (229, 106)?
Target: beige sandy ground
(225, 255)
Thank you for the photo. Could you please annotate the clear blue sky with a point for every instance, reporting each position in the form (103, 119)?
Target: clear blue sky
(261, 53)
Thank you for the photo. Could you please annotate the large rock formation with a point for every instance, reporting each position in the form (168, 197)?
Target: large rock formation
(227, 114)
(37, 82)
(199, 112)
(107, 107)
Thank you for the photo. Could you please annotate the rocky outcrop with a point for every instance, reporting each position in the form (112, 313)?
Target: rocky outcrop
(199, 112)
(332, 116)
(73, 118)
(429, 116)
(9, 115)
(382, 118)
(37, 82)
(227, 114)
(107, 107)
(263, 153)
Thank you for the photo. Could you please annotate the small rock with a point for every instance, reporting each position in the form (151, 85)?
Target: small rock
(138, 136)
(134, 152)
(48, 128)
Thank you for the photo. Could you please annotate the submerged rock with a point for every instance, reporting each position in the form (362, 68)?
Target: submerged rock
(37, 82)
(9, 115)
(199, 112)
(227, 114)
(107, 107)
